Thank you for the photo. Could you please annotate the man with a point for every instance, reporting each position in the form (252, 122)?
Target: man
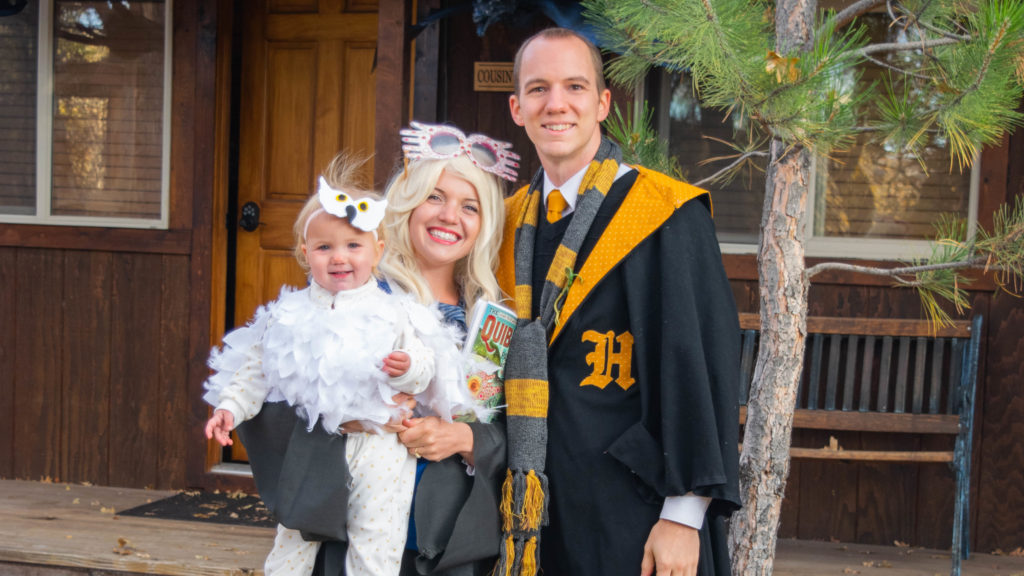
(629, 433)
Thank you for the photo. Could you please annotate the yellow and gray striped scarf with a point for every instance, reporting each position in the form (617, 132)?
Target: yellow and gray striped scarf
(524, 494)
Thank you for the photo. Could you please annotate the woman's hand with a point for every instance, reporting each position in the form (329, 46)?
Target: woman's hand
(435, 439)
(407, 403)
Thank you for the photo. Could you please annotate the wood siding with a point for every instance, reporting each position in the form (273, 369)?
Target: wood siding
(95, 361)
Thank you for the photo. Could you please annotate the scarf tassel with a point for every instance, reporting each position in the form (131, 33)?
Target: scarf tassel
(524, 511)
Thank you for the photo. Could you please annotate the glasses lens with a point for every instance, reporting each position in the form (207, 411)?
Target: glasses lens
(444, 143)
(484, 155)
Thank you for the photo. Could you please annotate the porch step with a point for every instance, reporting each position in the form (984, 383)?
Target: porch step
(52, 529)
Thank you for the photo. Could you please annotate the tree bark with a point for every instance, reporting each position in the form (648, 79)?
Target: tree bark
(764, 460)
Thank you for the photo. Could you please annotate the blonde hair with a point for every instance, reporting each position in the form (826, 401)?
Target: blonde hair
(342, 173)
(406, 191)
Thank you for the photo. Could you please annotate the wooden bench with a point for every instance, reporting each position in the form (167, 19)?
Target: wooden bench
(890, 376)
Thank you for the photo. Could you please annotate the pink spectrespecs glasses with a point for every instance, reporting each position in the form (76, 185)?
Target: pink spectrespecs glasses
(440, 142)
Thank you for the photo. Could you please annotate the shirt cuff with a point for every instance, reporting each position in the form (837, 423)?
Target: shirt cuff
(688, 509)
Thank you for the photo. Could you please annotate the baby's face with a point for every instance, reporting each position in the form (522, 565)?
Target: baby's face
(340, 256)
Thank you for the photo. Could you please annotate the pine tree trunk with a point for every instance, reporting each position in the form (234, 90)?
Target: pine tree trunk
(764, 461)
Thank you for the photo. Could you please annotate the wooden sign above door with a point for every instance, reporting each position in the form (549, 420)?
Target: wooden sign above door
(492, 77)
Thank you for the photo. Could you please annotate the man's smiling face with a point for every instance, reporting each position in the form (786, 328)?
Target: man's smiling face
(560, 104)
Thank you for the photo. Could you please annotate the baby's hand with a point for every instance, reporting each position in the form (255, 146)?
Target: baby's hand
(397, 363)
(219, 427)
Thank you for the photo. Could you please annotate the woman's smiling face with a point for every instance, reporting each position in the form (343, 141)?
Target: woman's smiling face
(445, 226)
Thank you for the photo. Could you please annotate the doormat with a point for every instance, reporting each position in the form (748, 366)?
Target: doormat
(198, 506)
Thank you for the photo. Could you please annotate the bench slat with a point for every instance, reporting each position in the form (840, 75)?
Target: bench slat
(833, 371)
(871, 421)
(865, 373)
(938, 361)
(870, 326)
(747, 363)
(955, 369)
(902, 364)
(812, 384)
(883, 375)
(869, 455)
(920, 355)
(851, 371)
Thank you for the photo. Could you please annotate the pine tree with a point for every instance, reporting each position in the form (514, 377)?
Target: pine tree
(786, 67)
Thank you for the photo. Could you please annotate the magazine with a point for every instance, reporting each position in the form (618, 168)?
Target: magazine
(489, 331)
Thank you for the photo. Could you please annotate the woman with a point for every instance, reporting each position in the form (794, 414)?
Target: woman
(442, 232)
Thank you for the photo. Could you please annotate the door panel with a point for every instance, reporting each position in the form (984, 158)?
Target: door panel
(307, 93)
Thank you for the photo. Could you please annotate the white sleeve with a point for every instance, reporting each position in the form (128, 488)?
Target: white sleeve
(248, 388)
(421, 368)
(687, 509)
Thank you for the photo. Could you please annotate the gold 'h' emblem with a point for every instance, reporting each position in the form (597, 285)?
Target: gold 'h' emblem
(604, 357)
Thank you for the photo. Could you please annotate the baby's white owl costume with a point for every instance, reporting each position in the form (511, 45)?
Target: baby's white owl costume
(323, 354)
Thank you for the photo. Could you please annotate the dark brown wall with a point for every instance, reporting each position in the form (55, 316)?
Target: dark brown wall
(95, 360)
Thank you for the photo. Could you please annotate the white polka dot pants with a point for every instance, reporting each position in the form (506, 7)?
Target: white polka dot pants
(291, 555)
(383, 476)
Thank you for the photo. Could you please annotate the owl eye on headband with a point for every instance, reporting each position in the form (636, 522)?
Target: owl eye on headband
(440, 142)
(363, 213)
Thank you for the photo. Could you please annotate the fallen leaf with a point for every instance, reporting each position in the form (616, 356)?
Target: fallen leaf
(850, 571)
(1019, 551)
(75, 501)
(107, 510)
(899, 544)
(124, 547)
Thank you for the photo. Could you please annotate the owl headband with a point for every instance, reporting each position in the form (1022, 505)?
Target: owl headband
(363, 213)
(440, 142)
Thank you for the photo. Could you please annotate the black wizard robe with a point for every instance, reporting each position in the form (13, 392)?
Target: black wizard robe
(644, 374)
(302, 477)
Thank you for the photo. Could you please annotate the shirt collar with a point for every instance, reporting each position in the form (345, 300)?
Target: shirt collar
(570, 189)
(323, 297)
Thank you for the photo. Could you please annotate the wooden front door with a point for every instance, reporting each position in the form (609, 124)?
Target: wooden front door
(307, 93)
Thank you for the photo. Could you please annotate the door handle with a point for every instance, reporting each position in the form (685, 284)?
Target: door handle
(250, 219)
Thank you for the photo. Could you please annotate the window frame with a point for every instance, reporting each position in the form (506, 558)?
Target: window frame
(44, 137)
(845, 247)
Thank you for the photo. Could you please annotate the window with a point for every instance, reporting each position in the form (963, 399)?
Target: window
(84, 113)
(870, 201)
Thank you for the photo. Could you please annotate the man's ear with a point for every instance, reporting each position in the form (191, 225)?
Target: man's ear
(604, 105)
(513, 107)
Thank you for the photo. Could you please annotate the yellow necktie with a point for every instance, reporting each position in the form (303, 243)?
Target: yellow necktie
(556, 204)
